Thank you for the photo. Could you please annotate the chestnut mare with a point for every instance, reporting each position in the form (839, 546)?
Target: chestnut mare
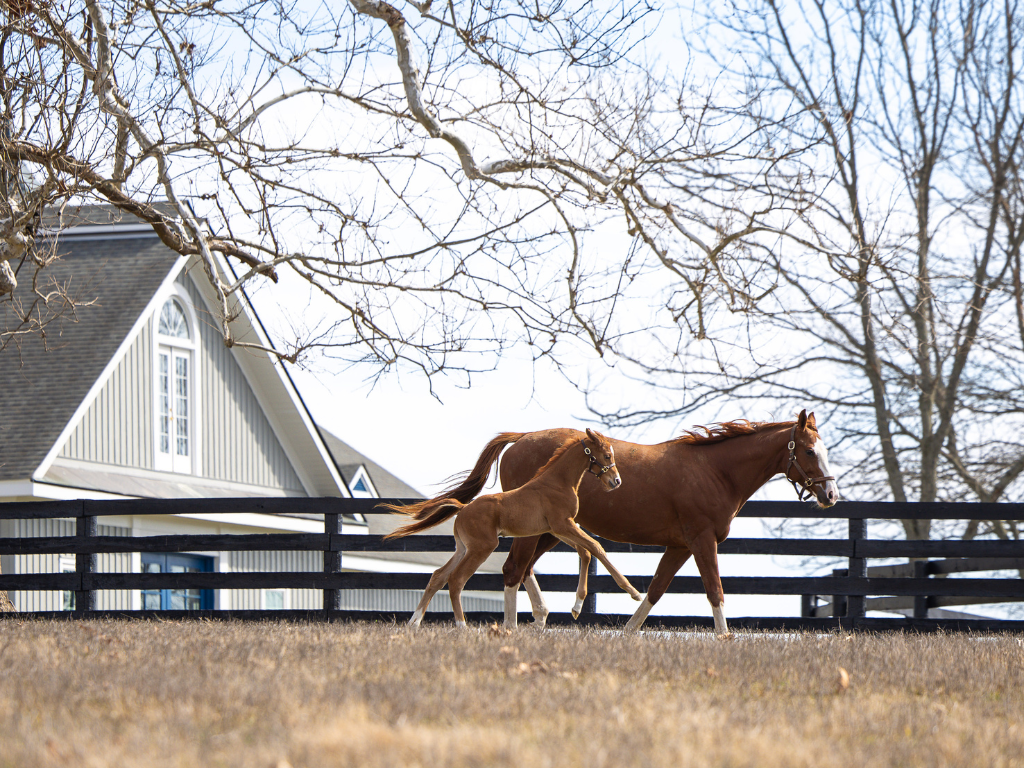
(683, 495)
(544, 503)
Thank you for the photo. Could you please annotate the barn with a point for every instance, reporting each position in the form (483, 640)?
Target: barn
(136, 396)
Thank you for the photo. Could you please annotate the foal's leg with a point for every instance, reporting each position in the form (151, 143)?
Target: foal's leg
(437, 581)
(474, 558)
(668, 566)
(569, 532)
(705, 553)
(480, 537)
(581, 589)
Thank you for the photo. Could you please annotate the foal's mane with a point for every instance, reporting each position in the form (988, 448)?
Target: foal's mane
(569, 443)
(716, 433)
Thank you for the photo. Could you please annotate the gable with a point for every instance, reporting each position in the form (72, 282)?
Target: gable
(236, 443)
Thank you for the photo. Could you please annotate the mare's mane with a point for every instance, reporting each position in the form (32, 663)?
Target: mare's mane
(716, 433)
(556, 455)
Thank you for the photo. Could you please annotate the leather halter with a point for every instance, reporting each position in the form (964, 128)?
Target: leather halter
(807, 482)
(601, 468)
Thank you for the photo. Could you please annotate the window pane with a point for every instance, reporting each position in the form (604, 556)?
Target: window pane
(274, 599)
(164, 388)
(181, 404)
(172, 321)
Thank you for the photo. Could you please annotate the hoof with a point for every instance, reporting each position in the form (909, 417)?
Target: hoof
(726, 636)
(575, 614)
(636, 595)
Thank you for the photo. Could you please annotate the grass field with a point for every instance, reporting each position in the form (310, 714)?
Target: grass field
(102, 693)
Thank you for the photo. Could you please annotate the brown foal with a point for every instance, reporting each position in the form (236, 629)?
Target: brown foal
(547, 503)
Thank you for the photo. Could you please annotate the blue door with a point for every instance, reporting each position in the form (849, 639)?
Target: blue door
(176, 599)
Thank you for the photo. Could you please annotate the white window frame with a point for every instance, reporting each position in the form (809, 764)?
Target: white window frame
(364, 476)
(67, 564)
(286, 602)
(176, 348)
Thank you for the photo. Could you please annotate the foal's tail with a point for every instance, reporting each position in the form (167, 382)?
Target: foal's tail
(435, 513)
(467, 485)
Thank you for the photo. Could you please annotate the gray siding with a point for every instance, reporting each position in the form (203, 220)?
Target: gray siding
(237, 442)
(118, 427)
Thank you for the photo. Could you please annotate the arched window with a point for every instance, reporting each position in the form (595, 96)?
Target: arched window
(172, 321)
(175, 384)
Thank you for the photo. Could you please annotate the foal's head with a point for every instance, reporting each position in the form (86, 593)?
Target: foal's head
(808, 462)
(602, 459)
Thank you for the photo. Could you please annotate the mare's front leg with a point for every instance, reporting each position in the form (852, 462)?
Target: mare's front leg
(668, 566)
(518, 569)
(705, 553)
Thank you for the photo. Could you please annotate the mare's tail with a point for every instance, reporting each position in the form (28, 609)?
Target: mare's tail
(435, 513)
(467, 485)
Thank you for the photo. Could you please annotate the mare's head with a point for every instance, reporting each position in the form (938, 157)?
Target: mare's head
(602, 459)
(808, 467)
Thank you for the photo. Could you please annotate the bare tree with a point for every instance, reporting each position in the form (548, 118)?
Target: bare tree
(895, 296)
(440, 179)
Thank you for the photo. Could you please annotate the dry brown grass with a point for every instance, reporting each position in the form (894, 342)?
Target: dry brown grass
(190, 694)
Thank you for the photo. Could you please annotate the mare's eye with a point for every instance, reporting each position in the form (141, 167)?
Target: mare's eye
(810, 452)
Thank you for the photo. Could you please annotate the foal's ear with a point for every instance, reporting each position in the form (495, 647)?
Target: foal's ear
(810, 422)
(592, 435)
(801, 420)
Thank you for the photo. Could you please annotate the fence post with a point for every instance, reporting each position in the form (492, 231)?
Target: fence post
(839, 602)
(85, 564)
(920, 601)
(808, 606)
(332, 562)
(858, 568)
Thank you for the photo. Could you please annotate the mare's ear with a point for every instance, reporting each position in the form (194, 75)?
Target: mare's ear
(810, 422)
(801, 421)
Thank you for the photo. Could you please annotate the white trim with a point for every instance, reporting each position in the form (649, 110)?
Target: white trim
(35, 489)
(96, 231)
(156, 475)
(107, 372)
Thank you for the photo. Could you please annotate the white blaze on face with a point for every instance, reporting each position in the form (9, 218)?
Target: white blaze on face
(821, 452)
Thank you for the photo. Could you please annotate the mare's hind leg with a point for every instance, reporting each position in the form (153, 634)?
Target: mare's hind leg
(705, 553)
(518, 569)
(581, 589)
(668, 566)
(438, 580)
(574, 536)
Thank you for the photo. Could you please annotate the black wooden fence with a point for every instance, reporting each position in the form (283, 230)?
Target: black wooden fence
(851, 589)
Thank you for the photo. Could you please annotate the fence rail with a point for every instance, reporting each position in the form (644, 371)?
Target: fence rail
(852, 590)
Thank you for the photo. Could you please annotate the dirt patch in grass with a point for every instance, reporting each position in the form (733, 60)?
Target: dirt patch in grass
(127, 693)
